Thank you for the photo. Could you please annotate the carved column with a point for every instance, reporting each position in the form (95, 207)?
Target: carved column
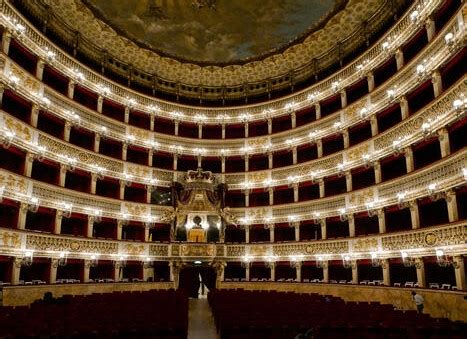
(176, 127)
(430, 28)
(121, 195)
(270, 160)
(94, 178)
(321, 188)
(126, 118)
(150, 157)
(374, 125)
(247, 272)
(420, 266)
(175, 268)
(247, 164)
(348, 181)
(318, 111)
(272, 267)
(34, 115)
(148, 272)
(247, 198)
(66, 131)
(345, 136)
(28, 164)
(62, 178)
(58, 222)
(386, 272)
(222, 164)
(2, 90)
(444, 144)
(297, 231)
(451, 202)
(437, 82)
(124, 151)
(97, 141)
(271, 196)
(351, 220)
(223, 131)
(381, 221)
(371, 81)
(120, 224)
(459, 270)
(219, 266)
(175, 163)
(246, 130)
(294, 155)
(399, 59)
(354, 266)
(343, 94)
(6, 39)
(100, 103)
(325, 272)
(247, 234)
(293, 119)
(40, 69)
(53, 271)
(404, 105)
(414, 216)
(71, 90)
(270, 227)
(322, 223)
(118, 274)
(22, 214)
(378, 175)
(319, 148)
(295, 192)
(298, 271)
(90, 226)
(86, 270)
(269, 126)
(409, 162)
(15, 271)
(200, 131)
(152, 120)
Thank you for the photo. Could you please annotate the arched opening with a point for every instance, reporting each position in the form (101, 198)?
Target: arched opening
(197, 280)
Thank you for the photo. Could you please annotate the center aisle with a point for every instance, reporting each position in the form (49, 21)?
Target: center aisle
(200, 320)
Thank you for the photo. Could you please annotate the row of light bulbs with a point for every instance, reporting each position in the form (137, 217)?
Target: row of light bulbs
(416, 16)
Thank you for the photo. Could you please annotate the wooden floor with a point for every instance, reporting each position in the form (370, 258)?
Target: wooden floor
(200, 321)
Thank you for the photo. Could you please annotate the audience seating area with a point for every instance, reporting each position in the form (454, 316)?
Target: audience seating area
(150, 314)
(241, 314)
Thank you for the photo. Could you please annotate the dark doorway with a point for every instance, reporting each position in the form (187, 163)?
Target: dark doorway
(193, 276)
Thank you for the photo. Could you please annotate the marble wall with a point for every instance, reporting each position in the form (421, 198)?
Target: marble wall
(25, 295)
(438, 303)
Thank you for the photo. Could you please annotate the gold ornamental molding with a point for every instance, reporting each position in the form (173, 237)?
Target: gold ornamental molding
(402, 30)
(451, 238)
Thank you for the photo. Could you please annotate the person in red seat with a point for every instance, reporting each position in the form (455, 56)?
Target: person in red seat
(418, 299)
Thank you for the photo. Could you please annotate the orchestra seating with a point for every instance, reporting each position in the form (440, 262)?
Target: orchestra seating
(150, 314)
(271, 314)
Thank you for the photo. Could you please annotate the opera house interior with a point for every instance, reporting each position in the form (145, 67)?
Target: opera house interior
(233, 169)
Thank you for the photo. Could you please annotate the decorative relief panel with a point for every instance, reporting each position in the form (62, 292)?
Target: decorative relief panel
(192, 250)
(10, 239)
(259, 250)
(132, 249)
(62, 244)
(235, 251)
(139, 210)
(287, 250)
(445, 236)
(365, 245)
(159, 250)
(334, 247)
(14, 183)
(22, 131)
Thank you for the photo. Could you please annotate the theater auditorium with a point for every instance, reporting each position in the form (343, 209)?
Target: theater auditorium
(233, 169)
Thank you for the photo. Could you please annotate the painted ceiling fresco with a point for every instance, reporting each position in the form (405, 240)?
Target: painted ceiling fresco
(214, 31)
